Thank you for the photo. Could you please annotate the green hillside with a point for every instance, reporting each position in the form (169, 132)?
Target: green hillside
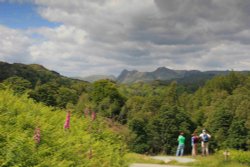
(43, 85)
(86, 143)
(32, 73)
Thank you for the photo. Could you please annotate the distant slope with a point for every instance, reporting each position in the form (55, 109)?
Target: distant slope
(165, 74)
(93, 78)
(32, 73)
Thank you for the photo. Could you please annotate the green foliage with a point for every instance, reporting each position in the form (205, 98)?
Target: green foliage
(106, 98)
(46, 86)
(166, 126)
(157, 119)
(139, 143)
(240, 156)
(32, 73)
(171, 96)
(46, 93)
(237, 135)
(17, 84)
(154, 112)
(87, 143)
(219, 124)
(222, 107)
(66, 95)
(236, 159)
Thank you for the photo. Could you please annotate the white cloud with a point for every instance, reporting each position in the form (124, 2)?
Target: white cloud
(68, 50)
(105, 36)
(14, 44)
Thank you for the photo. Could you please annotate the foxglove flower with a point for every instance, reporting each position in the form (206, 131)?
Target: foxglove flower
(37, 136)
(67, 121)
(93, 115)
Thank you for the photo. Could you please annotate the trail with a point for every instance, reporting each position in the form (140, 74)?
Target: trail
(154, 165)
(166, 159)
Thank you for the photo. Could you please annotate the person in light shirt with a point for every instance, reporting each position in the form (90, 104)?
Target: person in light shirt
(205, 137)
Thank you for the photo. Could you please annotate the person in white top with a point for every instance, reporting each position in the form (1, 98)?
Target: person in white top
(204, 136)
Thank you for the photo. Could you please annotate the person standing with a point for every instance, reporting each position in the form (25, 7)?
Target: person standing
(194, 143)
(204, 136)
(181, 144)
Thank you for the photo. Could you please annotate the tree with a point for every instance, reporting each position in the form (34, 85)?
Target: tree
(46, 93)
(171, 96)
(237, 135)
(18, 84)
(106, 98)
(66, 95)
(138, 125)
(218, 123)
(165, 127)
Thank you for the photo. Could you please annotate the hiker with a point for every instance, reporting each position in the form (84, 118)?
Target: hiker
(194, 143)
(181, 144)
(204, 136)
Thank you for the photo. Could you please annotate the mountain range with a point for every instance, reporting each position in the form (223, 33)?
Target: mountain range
(165, 74)
(162, 75)
(35, 72)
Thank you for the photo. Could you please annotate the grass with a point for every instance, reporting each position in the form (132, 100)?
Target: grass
(215, 160)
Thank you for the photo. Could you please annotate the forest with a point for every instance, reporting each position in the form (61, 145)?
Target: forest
(110, 119)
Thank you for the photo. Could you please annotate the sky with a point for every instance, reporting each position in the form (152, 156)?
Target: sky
(79, 38)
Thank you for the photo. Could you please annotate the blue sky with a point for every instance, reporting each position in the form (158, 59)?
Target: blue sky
(86, 37)
(22, 16)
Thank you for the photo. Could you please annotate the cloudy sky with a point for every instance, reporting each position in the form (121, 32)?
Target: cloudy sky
(86, 37)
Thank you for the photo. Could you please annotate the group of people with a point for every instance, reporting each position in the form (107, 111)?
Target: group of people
(203, 138)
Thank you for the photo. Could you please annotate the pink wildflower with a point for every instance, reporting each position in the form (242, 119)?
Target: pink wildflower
(93, 115)
(67, 121)
(37, 136)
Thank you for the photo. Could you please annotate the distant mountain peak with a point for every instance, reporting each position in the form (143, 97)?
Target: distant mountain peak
(124, 70)
(127, 71)
(164, 74)
(162, 68)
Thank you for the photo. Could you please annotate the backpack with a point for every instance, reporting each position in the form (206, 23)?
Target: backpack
(205, 138)
(196, 139)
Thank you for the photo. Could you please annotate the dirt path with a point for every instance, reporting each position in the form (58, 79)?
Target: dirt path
(165, 159)
(171, 158)
(153, 165)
